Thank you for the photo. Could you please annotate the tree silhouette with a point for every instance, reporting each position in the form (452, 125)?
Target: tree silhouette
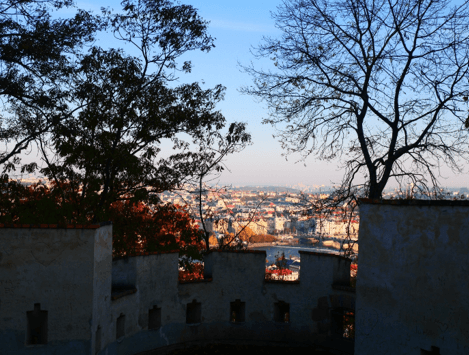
(100, 117)
(380, 84)
(111, 146)
(37, 60)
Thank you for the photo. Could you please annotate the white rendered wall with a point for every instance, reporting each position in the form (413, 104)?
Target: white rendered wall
(413, 278)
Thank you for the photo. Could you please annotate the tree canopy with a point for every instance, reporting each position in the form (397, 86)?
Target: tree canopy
(100, 117)
(381, 85)
(37, 57)
(124, 106)
(129, 105)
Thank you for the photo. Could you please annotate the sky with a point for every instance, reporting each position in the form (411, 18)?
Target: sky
(237, 26)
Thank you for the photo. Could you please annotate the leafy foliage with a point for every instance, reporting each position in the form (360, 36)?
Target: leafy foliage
(195, 273)
(262, 238)
(168, 227)
(246, 234)
(37, 61)
(38, 204)
(127, 107)
(136, 227)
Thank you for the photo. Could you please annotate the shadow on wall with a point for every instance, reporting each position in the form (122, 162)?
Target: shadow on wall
(128, 299)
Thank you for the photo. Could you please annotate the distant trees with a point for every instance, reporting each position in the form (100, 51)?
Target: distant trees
(246, 234)
(240, 239)
(213, 241)
(382, 85)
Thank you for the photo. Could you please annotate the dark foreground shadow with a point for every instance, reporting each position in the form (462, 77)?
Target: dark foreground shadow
(235, 349)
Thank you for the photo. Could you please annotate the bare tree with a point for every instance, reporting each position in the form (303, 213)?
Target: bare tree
(382, 85)
(231, 240)
(235, 141)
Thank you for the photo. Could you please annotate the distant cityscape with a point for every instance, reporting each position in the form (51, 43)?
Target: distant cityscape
(284, 212)
(280, 215)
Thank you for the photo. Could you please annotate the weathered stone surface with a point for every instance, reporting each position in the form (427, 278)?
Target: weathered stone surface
(70, 273)
(412, 282)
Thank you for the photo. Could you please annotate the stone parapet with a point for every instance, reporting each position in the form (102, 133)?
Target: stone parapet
(412, 290)
(62, 292)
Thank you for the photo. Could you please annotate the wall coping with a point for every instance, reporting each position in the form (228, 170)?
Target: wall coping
(412, 202)
(50, 226)
(177, 251)
(231, 251)
(283, 282)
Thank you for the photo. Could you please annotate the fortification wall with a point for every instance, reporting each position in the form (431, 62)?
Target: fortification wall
(51, 273)
(412, 289)
(231, 278)
(102, 284)
(131, 305)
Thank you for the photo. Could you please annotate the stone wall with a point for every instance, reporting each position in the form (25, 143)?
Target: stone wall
(231, 279)
(53, 280)
(131, 305)
(412, 282)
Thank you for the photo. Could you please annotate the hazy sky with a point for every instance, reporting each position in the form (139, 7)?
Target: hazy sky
(238, 25)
